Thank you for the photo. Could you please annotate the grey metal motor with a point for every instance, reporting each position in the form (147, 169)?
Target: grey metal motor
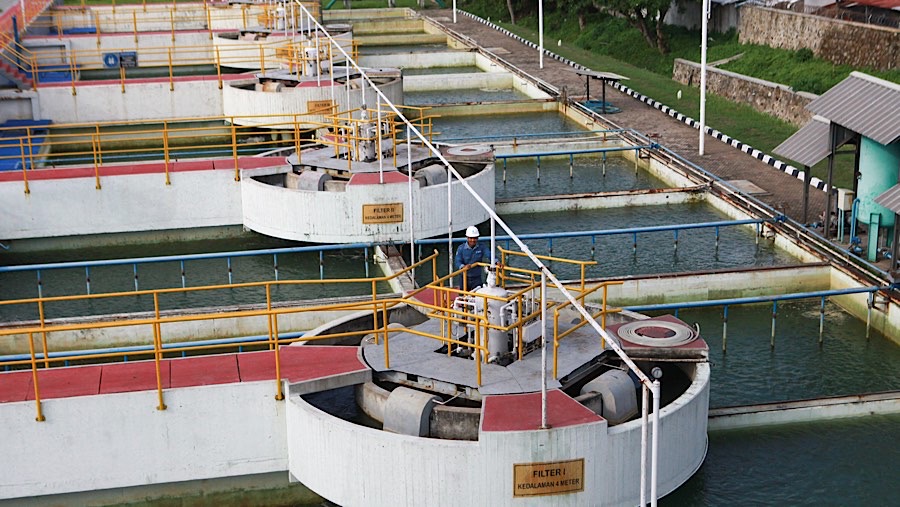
(618, 394)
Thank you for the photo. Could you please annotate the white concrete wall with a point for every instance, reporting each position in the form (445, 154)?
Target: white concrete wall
(171, 332)
(121, 440)
(705, 287)
(242, 54)
(332, 217)
(120, 18)
(603, 200)
(188, 47)
(351, 462)
(248, 102)
(439, 82)
(128, 203)
(141, 101)
(419, 60)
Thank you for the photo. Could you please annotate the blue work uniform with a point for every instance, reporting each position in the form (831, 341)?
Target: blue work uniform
(468, 255)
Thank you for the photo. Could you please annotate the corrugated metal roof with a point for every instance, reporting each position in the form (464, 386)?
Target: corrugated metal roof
(808, 145)
(863, 104)
(890, 199)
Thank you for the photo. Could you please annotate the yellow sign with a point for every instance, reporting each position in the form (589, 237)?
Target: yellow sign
(389, 213)
(319, 106)
(534, 479)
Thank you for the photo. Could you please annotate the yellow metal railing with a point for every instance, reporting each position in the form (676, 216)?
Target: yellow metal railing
(441, 308)
(138, 17)
(101, 144)
(43, 329)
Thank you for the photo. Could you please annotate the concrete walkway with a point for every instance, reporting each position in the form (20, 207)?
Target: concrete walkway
(782, 191)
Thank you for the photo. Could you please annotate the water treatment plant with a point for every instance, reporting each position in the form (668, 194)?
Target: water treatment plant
(239, 265)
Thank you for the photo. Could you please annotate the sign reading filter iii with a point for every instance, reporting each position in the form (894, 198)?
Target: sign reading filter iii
(319, 106)
(388, 213)
(553, 478)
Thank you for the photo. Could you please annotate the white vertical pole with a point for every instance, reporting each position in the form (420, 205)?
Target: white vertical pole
(412, 222)
(318, 65)
(541, 31)
(378, 142)
(544, 349)
(493, 242)
(450, 223)
(454, 11)
(654, 450)
(644, 410)
(703, 35)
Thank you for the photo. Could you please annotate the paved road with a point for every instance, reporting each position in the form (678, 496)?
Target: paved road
(783, 192)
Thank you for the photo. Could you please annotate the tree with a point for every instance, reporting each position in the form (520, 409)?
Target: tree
(512, 11)
(642, 14)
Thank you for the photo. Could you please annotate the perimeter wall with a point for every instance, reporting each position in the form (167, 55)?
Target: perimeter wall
(841, 42)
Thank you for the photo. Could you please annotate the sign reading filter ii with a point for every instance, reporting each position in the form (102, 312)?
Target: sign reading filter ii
(388, 213)
(553, 478)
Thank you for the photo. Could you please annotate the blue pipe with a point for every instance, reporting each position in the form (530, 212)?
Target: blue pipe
(754, 299)
(611, 232)
(186, 257)
(577, 152)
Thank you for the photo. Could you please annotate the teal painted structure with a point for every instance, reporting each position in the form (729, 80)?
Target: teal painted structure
(879, 166)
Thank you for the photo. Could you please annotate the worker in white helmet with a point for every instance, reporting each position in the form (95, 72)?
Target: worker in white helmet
(467, 256)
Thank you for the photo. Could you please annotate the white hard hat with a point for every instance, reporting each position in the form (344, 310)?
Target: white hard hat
(472, 232)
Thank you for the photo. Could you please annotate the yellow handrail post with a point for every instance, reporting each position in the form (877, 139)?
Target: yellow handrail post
(134, 25)
(122, 77)
(262, 59)
(384, 325)
(171, 72)
(603, 318)
(269, 315)
(28, 132)
(43, 333)
(166, 149)
(95, 148)
(58, 19)
(234, 151)
(478, 346)
(157, 351)
(97, 26)
(34, 379)
(279, 394)
(172, 23)
(555, 334)
(297, 137)
(219, 67)
(144, 2)
(244, 15)
(374, 310)
(24, 169)
(519, 326)
(208, 20)
(74, 65)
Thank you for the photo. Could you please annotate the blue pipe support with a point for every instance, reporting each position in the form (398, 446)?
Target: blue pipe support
(613, 232)
(754, 299)
(576, 152)
(540, 134)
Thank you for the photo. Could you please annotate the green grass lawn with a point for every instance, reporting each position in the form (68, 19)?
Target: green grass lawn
(741, 122)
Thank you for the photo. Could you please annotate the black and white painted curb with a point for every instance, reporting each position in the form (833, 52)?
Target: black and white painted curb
(746, 148)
